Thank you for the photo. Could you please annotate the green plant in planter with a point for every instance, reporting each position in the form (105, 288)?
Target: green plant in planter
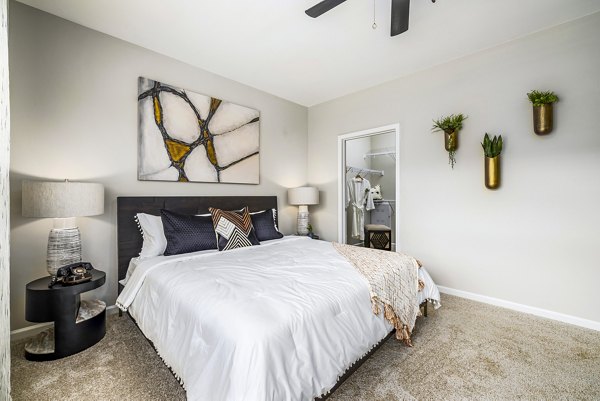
(543, 116)
(450, 125)
(492, 147)
(538, 98)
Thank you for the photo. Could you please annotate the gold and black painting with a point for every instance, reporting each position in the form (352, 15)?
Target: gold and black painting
(188, 137)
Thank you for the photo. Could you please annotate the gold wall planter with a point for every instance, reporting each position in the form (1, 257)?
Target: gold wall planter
(450, 125)
(542, 119)
(451, 141)
(492, 172)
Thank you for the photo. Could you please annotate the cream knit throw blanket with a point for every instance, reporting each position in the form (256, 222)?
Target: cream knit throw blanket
(393, 281)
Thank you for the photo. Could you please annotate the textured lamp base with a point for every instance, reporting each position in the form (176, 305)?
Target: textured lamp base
(64, 248)
(303, 220)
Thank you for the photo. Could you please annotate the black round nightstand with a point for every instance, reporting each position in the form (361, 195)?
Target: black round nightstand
(77, 324)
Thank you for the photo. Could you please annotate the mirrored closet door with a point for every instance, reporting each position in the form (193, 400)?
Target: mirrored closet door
(369, 188)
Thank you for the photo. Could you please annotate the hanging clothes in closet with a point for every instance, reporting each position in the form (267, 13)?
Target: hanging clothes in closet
(359, 198)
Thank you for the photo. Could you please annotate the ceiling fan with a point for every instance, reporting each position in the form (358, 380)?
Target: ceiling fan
(400, 9)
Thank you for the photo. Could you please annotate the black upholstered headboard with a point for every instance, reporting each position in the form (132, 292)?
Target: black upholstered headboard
(128, 234)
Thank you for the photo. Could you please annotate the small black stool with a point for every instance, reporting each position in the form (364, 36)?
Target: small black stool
(378, 236)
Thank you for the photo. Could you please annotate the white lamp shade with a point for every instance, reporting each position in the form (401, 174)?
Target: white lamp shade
(62, 199)
(303, 196)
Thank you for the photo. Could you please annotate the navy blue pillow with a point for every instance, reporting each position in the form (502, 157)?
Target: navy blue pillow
(264, 225)
(187, 233)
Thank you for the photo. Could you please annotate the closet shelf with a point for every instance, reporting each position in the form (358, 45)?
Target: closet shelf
(358, 170)
(390, 153)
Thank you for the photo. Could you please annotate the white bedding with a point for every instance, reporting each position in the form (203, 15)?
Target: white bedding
(279, 321)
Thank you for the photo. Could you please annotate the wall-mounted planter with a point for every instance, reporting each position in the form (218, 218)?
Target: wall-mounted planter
(542, 119)
(450, 125)
(451, 141)
(542, 110)
(492, 147)
(492, 172)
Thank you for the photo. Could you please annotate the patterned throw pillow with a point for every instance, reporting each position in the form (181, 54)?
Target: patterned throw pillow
(234, 229)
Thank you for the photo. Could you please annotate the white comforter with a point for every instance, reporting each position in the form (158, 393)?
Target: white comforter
(280, 321)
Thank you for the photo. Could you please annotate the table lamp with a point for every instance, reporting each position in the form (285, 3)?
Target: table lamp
(302, 197)
(63, 201)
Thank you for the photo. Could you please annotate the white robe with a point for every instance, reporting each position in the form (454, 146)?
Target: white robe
(358, 197)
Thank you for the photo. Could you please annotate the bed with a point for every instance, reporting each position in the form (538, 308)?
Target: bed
(284, 320)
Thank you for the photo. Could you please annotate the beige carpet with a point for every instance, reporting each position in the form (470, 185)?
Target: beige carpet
(465, 350)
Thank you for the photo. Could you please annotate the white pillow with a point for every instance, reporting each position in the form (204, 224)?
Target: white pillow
(155, 241)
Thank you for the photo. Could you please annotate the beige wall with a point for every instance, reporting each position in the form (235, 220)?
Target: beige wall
(4, 207)
(75, 116)
(536, 240)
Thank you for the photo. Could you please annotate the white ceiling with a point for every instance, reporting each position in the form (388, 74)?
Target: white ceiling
(273, 46)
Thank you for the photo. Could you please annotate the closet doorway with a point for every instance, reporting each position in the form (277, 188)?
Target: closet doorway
(368, 185)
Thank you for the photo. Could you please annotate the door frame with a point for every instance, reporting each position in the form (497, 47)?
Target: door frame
(342, 139)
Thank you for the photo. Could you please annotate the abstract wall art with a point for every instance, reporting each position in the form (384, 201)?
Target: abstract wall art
(189, 137)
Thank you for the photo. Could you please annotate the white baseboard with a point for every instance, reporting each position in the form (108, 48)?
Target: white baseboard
(561, 317)
(30, 331)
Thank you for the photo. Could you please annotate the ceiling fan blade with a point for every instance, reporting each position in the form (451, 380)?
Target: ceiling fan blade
(400, 14)
(323, 7)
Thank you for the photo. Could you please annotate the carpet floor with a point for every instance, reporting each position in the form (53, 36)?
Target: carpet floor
(464, 350)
